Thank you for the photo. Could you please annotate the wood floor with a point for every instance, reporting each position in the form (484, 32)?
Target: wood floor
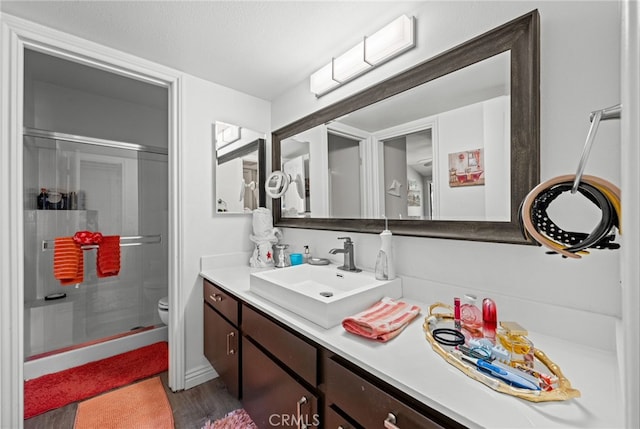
(191, 408)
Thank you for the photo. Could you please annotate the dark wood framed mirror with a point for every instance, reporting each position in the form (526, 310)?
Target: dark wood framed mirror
(520, 39)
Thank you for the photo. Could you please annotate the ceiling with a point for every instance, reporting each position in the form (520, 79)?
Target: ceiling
(261, 48)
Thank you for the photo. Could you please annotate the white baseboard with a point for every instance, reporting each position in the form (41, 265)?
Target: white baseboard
(198, 375)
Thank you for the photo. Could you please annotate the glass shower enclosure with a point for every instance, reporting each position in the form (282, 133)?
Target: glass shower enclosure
(73, 184)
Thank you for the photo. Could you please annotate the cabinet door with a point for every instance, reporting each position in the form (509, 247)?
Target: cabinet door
(271, 396)
(221, 341)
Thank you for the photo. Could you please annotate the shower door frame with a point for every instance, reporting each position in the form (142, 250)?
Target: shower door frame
(16, 36)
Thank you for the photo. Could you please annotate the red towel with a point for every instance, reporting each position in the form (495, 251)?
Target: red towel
(87, 237)
(382, 321)
(108, 259)
(68, 262)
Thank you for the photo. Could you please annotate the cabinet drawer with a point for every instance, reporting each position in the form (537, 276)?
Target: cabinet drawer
(333, 420)
(291, 350)
(221, 301)
(366, 403)
(271, 396)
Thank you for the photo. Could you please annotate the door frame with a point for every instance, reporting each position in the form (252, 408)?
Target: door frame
(16, 36)
(628, 333)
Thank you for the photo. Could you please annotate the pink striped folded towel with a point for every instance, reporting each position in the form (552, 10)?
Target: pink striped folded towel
(382, 321)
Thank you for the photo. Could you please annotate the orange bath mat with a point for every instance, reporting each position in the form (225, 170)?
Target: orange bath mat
(141, 405)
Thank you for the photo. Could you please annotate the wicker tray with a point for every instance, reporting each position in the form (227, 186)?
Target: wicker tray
(563, 392)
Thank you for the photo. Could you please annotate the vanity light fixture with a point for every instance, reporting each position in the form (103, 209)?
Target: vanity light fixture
(390, 41)
(226, 133)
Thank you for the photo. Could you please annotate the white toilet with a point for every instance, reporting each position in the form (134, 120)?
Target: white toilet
(163, 309)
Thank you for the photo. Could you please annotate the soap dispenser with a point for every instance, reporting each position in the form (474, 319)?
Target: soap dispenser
(385, 268)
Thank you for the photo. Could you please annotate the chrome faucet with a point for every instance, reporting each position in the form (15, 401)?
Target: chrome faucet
(347, 250)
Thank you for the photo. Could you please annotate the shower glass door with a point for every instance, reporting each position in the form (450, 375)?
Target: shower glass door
(74, 184)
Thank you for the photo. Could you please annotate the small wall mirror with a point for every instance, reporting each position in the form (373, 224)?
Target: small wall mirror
(448, 148)
(239, 168)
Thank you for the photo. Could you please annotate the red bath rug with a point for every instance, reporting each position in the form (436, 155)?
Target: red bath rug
(56, 390)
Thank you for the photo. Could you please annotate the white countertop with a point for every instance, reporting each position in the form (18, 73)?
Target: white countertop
(409, 363)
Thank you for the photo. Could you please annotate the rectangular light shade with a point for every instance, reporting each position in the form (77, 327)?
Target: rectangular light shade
(226, 133)
(393, 39)
(322, 80)
(350, 64)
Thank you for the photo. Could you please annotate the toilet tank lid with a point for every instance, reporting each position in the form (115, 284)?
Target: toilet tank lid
(164, 302)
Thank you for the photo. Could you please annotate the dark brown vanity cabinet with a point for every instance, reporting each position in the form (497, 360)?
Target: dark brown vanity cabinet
(279, 374)
(222, 336)
(333, 420)
(367, 404)
(286, 380)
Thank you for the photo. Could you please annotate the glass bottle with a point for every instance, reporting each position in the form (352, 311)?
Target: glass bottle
(489, 319)
(42, 199)
(471, 316)
(513, 338)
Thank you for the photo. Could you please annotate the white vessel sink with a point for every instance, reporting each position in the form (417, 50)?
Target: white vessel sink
(322, 294)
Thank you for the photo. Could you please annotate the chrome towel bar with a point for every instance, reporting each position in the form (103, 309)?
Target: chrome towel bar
(135, 240)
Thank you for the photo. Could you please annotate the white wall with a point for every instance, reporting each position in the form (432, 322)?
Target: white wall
(580, 72)
(464, 202)
(205, 233)
(484, 128)
(497, 160)
(229, 188)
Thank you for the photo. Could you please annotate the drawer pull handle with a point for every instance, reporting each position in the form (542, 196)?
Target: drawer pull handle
(390, 422)
(230, 350)
(215, 297)
(299, 404)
